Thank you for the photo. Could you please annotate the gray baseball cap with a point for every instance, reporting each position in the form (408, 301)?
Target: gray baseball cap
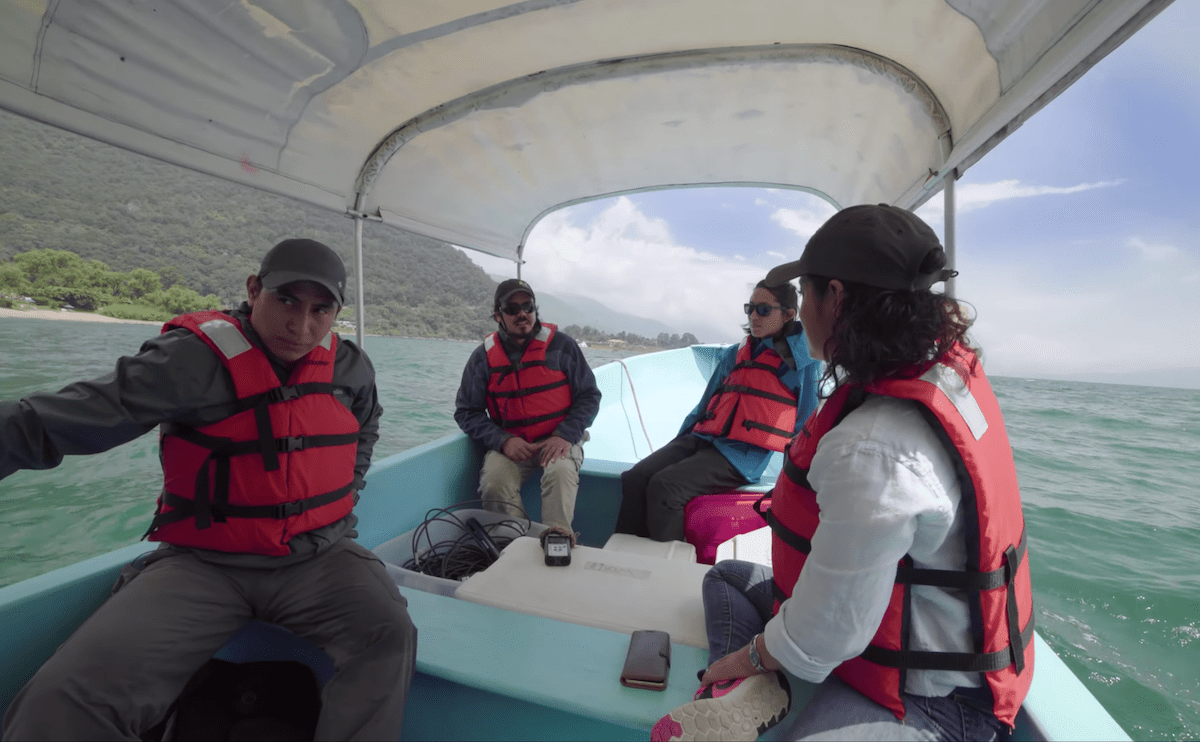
(304, 260)
(873, 244)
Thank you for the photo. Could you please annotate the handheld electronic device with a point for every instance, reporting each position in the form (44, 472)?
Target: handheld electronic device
(557, 547)
(648, 662)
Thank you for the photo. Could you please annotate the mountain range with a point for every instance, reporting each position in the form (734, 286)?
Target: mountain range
(569, 309)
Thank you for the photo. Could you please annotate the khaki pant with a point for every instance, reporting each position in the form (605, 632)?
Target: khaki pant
(501, 478)
(120, 671)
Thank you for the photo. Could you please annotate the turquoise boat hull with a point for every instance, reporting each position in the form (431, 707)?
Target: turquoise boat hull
(489, 673)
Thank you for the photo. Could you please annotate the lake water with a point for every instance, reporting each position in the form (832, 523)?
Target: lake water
(1110, 478)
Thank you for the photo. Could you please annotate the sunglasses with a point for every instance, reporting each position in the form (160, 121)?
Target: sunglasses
(763, 310)
(512, 309)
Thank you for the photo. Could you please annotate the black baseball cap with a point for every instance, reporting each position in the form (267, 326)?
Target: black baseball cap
(304, 260)
(873, 244)
(512, 286)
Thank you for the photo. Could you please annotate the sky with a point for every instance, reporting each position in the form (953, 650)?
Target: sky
(1078, 236)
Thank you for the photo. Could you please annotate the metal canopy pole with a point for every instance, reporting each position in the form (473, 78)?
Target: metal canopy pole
(948, 193)
(359, 301)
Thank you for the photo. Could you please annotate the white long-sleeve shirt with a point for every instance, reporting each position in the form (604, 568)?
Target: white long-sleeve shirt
(886, 488)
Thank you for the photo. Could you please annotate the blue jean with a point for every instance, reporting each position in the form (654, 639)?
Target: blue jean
(737, 605)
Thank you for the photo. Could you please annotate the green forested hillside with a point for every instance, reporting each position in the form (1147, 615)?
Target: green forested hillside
(65, 192)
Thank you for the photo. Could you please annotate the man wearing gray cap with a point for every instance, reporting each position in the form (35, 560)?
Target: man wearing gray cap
(527, 396)
(899, 579)
(267, 423)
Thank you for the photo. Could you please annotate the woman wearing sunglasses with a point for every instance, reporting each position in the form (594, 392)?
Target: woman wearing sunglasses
(757, 398)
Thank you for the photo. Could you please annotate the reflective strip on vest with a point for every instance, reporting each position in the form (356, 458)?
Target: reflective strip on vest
(955, 389)
(226, 337)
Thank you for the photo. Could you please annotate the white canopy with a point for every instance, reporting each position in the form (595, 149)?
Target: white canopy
(469, 120)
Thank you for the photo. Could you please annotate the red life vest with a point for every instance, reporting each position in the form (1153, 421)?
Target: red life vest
(966, 418)
(753, 404)
(282, 464)
(526, 398)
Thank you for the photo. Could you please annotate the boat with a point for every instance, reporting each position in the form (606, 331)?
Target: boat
(469, 122)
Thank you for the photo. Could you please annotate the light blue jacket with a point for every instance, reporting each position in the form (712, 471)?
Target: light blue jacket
(750, 460)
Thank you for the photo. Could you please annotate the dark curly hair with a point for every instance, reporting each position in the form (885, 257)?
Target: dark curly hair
(880, 333)
(786, 295)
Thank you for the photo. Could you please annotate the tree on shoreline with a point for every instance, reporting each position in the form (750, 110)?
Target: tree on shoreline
(55, 278)
(590, 334)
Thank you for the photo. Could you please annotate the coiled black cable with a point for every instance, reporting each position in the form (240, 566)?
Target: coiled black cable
(461, 556)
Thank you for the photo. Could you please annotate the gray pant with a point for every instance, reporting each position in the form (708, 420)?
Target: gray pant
(116, 676)
(501, 479)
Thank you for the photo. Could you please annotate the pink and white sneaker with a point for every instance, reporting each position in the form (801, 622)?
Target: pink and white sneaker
(739, 709)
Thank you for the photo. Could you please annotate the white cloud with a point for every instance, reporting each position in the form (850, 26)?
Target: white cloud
(971, 196)
(803, 221)
(779, 255)
(1031, 322)
(630, 263)
(491, 264)
(1156, 252)
(1067, 324)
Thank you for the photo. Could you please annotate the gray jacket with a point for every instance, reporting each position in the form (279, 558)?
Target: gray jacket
(175, 377)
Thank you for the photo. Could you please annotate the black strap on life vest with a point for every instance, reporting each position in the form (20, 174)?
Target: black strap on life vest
(262, 415)
(795, 473)
(216, 507)
(515, 393)
(959, 661)
(261, 403)
(209, 508)
(1018, 638)
(785, 534)
(1002, 576)
(225, 448)
(749, 390)
(777, 370)
(751, 425)
(525, 421)
(182, 508)
(513, 367)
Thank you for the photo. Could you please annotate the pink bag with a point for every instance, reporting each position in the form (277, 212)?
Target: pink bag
(711, 520)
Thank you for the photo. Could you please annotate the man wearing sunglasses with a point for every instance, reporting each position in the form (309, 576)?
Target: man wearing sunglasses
(528, 396)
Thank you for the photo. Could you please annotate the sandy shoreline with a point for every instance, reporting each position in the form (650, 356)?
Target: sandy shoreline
(75, 316)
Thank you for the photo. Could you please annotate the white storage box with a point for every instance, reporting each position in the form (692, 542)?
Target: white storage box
(603, 588)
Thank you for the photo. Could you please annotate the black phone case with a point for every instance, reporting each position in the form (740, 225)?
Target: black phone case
(648, 662)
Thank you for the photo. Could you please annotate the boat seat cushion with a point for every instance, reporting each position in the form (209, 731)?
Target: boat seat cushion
(711, 520)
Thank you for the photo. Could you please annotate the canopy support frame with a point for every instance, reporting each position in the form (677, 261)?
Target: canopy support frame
(359, 300)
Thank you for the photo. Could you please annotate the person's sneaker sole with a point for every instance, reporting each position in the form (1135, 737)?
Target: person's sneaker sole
(757, 704)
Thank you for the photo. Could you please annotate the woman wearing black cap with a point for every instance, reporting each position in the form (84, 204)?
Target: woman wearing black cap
(760, 392)
(900, 581)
